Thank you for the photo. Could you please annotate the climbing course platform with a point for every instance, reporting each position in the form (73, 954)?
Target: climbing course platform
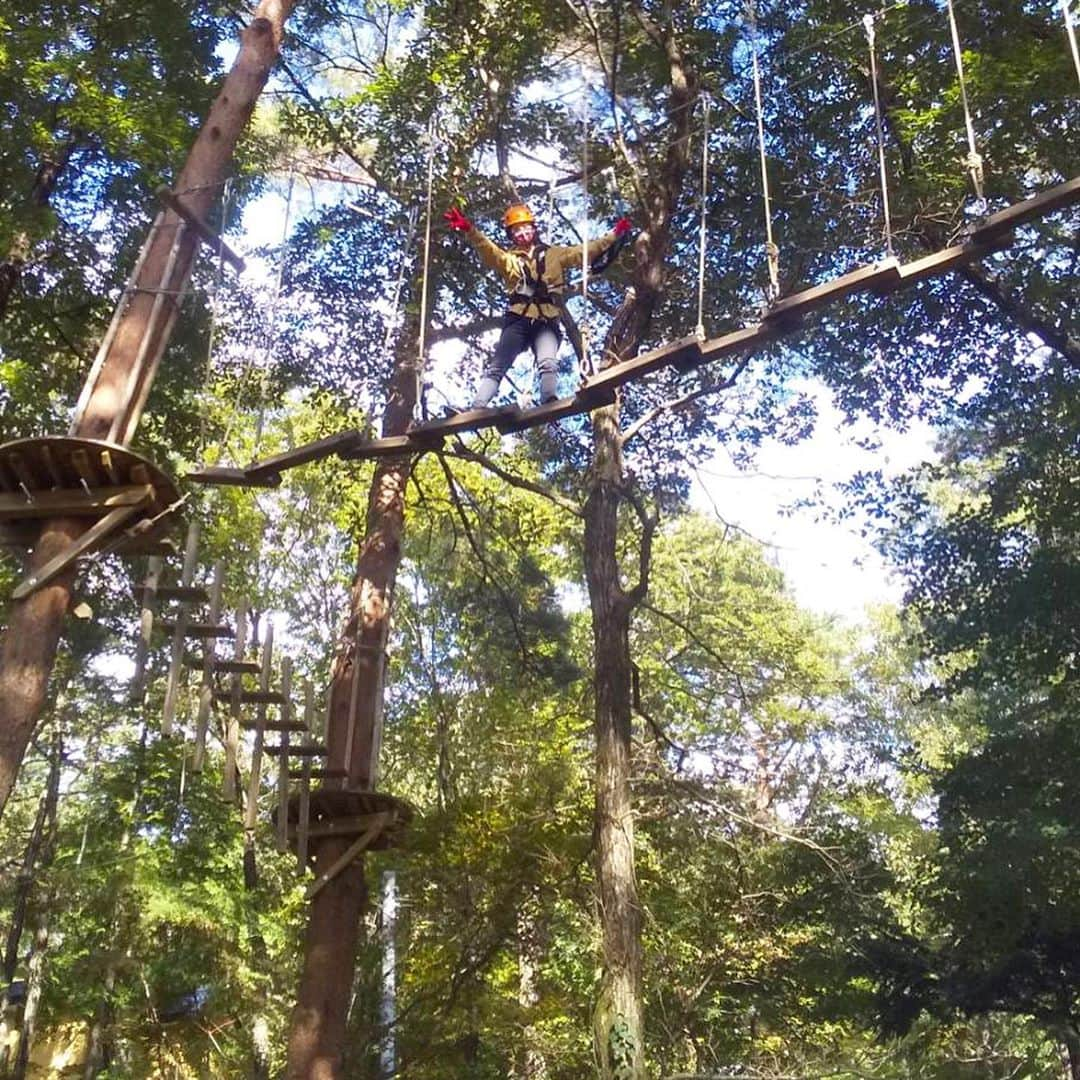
(127, 501)
(786, 314)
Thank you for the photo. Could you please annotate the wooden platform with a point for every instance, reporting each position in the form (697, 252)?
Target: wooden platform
(129, 503)
(347, 814)
(560, 409)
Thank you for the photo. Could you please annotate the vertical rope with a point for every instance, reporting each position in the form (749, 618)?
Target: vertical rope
(427, 261)
(772, 252)
(700, 328)
(974, 162)
(585, 363)
(1070, 29)
(868, 24)
(211, 338)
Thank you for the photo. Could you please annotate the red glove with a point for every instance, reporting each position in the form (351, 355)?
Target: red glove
(457, 220)
(623, 226)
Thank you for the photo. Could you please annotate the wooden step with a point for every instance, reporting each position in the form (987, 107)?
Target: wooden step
(301, 455)
(227, 667)
(190, 594)
(199, 630)
(275, 725)
(318, 774)
(434, 431)
(303, 750)
(252, 697)
(1055, 198)
(228, 476)
(881, 276)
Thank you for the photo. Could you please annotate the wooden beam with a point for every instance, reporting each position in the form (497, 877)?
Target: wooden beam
(303, 807)
(252, 697)
(301, 455)
(390, 446)
(317, 774)
(72, 501)
(303, 750)
(878, 277)
(686, 350)
(434, 431)
(98, 532)
(1055, 198)
(176, 654)
(200, 631)
(146, 628)
(204, 231)
(521, 419)
(379, 822)
(750, 337)
(950, 258)
(282, 831)
(251, 810)
(226, 476)
(209, 666)
(232, 725)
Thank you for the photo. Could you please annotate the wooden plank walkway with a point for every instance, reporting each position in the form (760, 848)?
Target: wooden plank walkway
(993, 234)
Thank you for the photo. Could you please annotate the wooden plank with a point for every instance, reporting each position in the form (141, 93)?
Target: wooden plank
(950, 258)
(99, 531)
(106, 461)
(53, 469)
(303, 808)
(275, 725)
(80, 459)
(283, 763)
(226, 476)
(350, 853)
(199, 631)
(317, 774)
(301, 455)
(342, 826)
(176, 657)
(434, 431)
(146, 628)
(252, 697)
(878, 277)
(1055, 198)
(521, 419)
(251, 811)
(686, 350)
(72, 501)
(226, 667)
(749, 337)
(207, 234)
(232, 725)
(303, 750)
(209, 665)
(391, 446)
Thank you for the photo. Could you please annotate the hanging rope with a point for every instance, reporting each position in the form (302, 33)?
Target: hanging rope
(700, 328)
(420, 400)
(211, 338)
(772, 252)
(1070, 29)
(584, 361)
(868, 23)
(974, 162)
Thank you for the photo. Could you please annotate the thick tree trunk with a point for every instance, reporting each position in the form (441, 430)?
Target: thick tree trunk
(317, 1034)
(29, 643)
(618, 1029)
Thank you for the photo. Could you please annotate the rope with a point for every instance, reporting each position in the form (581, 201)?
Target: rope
(868, 23)
(1070, 29)
(427, 257)
(584, 363)
(772, 252)
(973, 162)
(700, 329)
(211, 339)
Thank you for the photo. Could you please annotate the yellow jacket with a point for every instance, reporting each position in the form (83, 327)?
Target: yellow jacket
(518, 269)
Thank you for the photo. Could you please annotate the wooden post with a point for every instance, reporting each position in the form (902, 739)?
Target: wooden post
(251, 811)
(176, 658)
(303, 817)
(206, 690)
(28, 648)
(283, 760)
(232, 728)
(146, 627)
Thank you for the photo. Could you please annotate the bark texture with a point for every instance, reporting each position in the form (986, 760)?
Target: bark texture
(618, 1028)
(30, 640)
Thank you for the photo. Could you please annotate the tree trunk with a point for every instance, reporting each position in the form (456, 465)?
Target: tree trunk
(29, 643)
(618, 1030)
(44, 185)
(530, 949)
(317, 1033)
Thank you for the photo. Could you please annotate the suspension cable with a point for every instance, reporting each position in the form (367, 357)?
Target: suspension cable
(700, 329)
(1070, 29)
(974, 162)
(868, 23)
(772, 252)
(584, 363)
(427, 261)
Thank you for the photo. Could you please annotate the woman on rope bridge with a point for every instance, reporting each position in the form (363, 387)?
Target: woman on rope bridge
(534, 274)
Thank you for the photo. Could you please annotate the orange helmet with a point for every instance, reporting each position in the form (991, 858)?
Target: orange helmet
(519, 214)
